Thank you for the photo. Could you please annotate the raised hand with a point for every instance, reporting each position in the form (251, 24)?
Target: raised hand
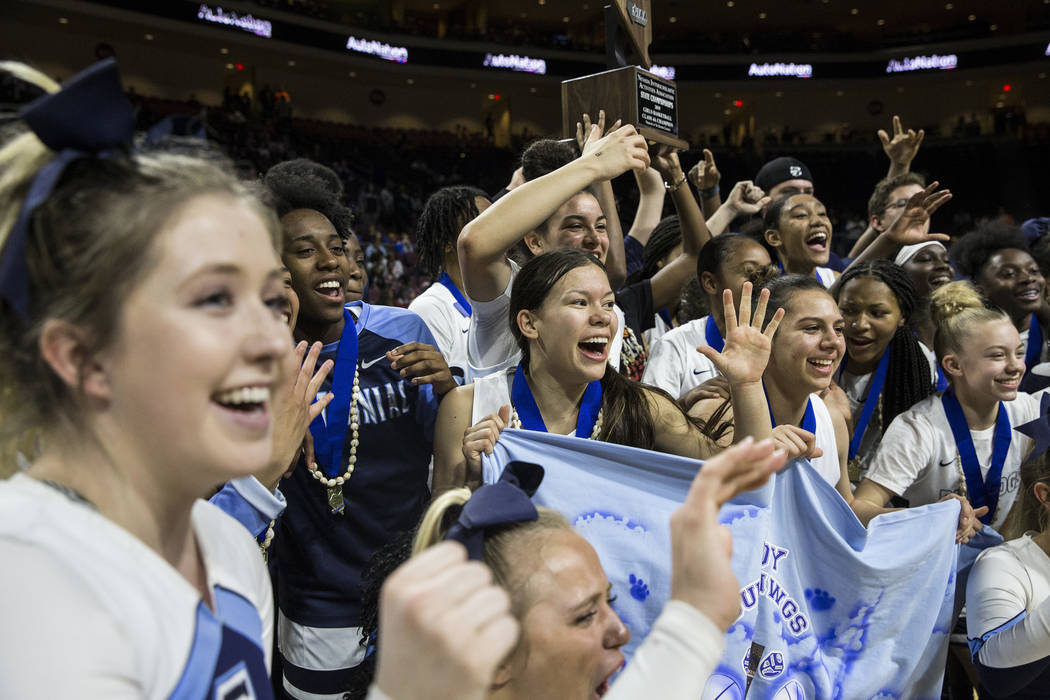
(747, 198)
(903, 146)
(914, 223)
(615, 153)
(443, 618)
(745, 354)
(586, 131)
(701, 549)
(423, 364)
(294, 409)
(480, 439)
(704, 175)
(669, 167)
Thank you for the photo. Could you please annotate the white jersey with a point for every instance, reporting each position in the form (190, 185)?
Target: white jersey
(674, 363)
(1008, 604)
(855, 386)
(492, 393)
(491, 346)
(89, 611)
(441, 312)
(918, 459)
(827, 465)
(659, 330)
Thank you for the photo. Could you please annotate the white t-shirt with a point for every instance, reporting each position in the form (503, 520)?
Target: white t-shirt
(89, 611)
(1008, 604)
(674, 364)
(827, 465)
(918, 459)
(659, 330)
(491, 346)
(437, 307)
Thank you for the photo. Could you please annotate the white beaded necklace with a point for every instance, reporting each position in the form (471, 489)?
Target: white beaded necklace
(515, 422)
(335, 484)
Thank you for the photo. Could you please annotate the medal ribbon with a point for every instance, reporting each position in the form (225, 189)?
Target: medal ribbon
(982, 491)
(809, 419)
(872, 400)
(462, 305)
(330, 435)
(529, 412)
(1034, 351)
(712, 335)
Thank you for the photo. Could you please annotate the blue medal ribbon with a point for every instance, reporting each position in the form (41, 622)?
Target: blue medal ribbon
(462, 305)
(666, 316)
(529, 412)
(330, 435)
(809, 418)
(1034, 351)
(784, 272)
(870, 402)
(982, 491)
(712, 335)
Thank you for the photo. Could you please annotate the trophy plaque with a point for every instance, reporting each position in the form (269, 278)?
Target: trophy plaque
(628, 93)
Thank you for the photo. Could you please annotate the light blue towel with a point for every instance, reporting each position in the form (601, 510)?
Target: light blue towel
(829, 609)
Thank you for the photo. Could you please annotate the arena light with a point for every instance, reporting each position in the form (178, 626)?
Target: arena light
(397, 54)
(780, 70)
(514, 62)
(229, 18)
(916, 63)
(665, 72)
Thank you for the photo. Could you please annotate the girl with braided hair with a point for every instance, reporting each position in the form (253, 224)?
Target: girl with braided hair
(885, 370)
(444, 306)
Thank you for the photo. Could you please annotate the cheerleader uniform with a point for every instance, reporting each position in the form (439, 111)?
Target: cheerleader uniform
(918, 458)
(674, 363)
(90, 611)
(1008, 619)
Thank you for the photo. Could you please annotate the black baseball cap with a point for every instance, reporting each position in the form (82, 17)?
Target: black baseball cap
(781, 170)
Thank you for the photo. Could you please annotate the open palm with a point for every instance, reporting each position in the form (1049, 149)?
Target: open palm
(747, 345)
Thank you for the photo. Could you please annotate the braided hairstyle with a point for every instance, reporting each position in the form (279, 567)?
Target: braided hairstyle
(908, 379)
(665, 236)
(444, 215)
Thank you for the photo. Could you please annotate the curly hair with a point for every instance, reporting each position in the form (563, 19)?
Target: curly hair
(305, 184)
(972, 252)
(545, 156)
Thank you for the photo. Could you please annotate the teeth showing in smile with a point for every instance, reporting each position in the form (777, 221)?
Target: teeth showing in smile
(330, 284)
(817, 239)
(1029, 294)
(244, 395)
(597, 340)
(821, 363)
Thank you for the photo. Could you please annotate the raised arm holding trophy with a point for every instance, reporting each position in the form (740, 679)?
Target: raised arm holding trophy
(629, 93)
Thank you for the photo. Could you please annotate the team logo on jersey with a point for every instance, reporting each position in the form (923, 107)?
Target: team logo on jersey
(235, 684)
(772, 666)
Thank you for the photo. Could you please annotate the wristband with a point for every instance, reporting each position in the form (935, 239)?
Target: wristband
(676, 186)
(707, 194)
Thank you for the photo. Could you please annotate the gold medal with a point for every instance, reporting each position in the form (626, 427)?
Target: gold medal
(335, 499)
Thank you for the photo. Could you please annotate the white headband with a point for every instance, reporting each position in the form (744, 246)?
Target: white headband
(908, 252)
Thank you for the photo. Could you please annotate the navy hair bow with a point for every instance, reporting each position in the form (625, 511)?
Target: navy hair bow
(1038, 429)
(502, 503)
(89, 117)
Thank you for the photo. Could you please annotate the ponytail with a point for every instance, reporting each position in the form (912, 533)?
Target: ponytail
(956, 308)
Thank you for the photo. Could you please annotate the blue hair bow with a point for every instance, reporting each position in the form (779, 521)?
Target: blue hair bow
(89, 117)
(505, 502)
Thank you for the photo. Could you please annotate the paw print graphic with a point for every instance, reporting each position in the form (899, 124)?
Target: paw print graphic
(820, 600)
(639, 589)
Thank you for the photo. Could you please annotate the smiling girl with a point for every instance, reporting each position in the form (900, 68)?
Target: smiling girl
(885, 371)
(563, 320)
(142, 334)
(797, 227)
(962, 443)
(806, 351)
(996, 258)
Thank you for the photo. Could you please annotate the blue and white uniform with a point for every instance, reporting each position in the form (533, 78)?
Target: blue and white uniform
(319, 555)
(1008, 619)
(674, 364)
(90, 611)
(448, 318)
(826, 276)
